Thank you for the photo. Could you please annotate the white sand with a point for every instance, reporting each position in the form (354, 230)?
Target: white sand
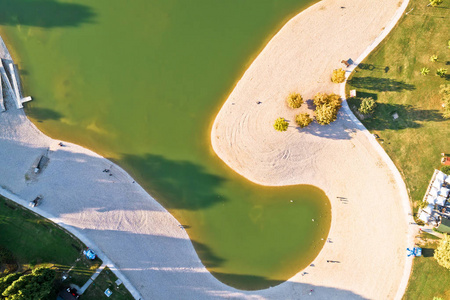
(144, 241)
(369, 233)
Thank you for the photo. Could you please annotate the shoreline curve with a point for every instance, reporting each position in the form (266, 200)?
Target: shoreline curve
(243, 129)
(18, 139)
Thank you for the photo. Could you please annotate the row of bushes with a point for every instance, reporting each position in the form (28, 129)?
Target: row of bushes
(327, 107)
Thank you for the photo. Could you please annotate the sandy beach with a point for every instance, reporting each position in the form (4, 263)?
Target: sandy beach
(369, 233)
(145, 243)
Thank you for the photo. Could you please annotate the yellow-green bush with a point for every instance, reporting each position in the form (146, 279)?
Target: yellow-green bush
(294, 100)
(338, 76)
(303, 120)
(281, 124)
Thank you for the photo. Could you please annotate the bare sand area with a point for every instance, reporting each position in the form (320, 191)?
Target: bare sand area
(145, 243)
(369, 227)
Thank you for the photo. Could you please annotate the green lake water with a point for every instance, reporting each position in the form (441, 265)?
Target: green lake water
(140, 83)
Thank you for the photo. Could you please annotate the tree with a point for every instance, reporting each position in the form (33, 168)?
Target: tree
(338, 76)
(442, 252)
(441, 72)
(445, 92)
(424, 71)
(335, 101)
(435, 3)
(281, 124)
(34, 286)
(320, 99)
(325, 114)
(367, 106)
(434, 58)
(294, 100)
(446, 104)
(327, 107)
(330, 100)
(6, 281)
(303, 120)
(446, 170)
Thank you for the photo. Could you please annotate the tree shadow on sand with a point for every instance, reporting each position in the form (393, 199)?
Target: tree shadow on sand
(153, 259)
(177, 184)
(341, 129)
(380, 84)
(44, 13)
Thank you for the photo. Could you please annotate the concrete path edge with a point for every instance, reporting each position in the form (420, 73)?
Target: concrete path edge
(106, 261)
(397, 176)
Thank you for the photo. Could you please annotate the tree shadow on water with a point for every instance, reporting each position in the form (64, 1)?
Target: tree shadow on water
(42, 114)
(380, 84)
(178, 184)
(246, 282)
(44, 13)
(209, 259)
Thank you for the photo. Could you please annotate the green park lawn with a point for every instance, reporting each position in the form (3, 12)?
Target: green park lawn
(428, 279)
(28, 240)
(391, 75)
(106, 279)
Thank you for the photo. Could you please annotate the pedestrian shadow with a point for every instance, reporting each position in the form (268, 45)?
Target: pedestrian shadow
(44, 13)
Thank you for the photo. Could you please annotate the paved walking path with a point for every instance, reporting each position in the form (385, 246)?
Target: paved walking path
(91, 280)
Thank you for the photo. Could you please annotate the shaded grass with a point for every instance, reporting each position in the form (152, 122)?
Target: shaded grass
(391, 75)
(428, 279)
(106, 279)
(36, 241)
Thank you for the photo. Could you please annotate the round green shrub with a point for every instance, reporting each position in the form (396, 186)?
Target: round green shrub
(281, 124)
(367, 106)
(294, 100)
(303, 120)
(325, 114)
(441, 72)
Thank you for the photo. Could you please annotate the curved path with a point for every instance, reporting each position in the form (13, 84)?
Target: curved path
(116, 216)
(369, 230)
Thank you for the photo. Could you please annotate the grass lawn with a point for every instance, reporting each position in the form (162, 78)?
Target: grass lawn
(428, 279)
(36, 241)
(391, 75)
(106, 279)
